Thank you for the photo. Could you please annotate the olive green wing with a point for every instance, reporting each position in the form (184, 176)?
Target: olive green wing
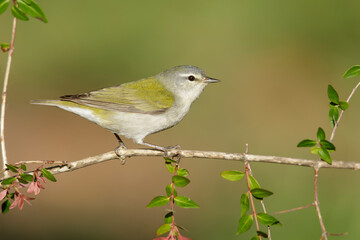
(143, 96)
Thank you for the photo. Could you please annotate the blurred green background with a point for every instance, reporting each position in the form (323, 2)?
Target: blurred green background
(275, 60)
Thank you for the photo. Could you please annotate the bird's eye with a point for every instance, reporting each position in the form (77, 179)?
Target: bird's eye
(191, 78)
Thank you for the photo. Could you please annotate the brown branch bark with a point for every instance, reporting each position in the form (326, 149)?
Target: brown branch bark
(127, 153)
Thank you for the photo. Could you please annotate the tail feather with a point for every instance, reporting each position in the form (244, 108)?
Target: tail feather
(46, 102)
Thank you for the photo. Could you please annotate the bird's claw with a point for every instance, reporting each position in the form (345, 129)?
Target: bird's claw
(169, 154)
(119, 152)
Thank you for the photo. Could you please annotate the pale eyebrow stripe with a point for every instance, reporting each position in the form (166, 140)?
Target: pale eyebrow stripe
(188, 74)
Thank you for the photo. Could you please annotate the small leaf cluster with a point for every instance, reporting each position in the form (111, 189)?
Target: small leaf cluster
(320, 147)
(22, 9)
(246, 219)
(179, 179)
(10, 194)
(335, 105)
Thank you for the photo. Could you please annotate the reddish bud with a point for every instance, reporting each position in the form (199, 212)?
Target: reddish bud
(43, 179)
(3, 194)
(183, 238)
(40, 185)
(31, 187)
(16, 201)
(27, 199)
(21, 202)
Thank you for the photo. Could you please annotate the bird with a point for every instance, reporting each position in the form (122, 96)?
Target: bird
(139, 108)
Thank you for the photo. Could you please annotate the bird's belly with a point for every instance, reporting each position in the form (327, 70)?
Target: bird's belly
(137, 126)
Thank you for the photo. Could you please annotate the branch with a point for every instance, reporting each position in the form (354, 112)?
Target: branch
(342, 112)
(3, 104)
(127, 153)
(316, 204)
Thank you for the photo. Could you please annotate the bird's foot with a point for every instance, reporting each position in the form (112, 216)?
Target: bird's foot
(119, 152)
(168, 151)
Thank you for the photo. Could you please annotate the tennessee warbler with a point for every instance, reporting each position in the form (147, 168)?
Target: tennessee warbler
(139, 108)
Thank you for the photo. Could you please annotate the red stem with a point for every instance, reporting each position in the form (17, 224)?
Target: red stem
(251, 198)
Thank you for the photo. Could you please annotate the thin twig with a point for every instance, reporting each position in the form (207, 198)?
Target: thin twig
(3, 103)
(294, 209)
(173, 225)
(36, 162)
(127, 153)
(251, 197)
(342, 112)
(262, 202)
(337, 234)
(317, 203)
(247, 172)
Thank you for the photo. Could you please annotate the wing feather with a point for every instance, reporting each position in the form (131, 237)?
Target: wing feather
(143, 96)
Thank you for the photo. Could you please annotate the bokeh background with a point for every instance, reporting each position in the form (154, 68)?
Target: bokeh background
(275, 60)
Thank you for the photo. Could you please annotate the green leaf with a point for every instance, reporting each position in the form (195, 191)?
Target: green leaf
(39, 11)
(170, 167)
(255, 238)
(182, 172)
(245, 223)
(307, 143)
(27, 1)
(163, 229)
(185, 202)
(180, 181)
(8, 181)
(5, 206)
(48, 175)
(352, 72)
(333, 95)
(4, 4)
(12, 168)
(16, 12)
(28, 9)
(320, 134)
(327, 145)
(266, 219)
(262, 234)
(169, 160)
(343, 105)
(253, 182)
(232, 175)
(168, 190)
(244, 203)
(23, 167)
(22, 181)
(158, 201)
(325, 155)
(4, 47)
(315, 150)
(11, 195)
(333, 114)
(27, 177)
(260, 193)
(168, 217)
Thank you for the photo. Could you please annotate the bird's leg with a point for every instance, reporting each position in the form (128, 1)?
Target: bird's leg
(120, 147)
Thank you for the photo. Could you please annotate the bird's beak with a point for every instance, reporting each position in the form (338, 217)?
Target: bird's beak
(210, 80)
